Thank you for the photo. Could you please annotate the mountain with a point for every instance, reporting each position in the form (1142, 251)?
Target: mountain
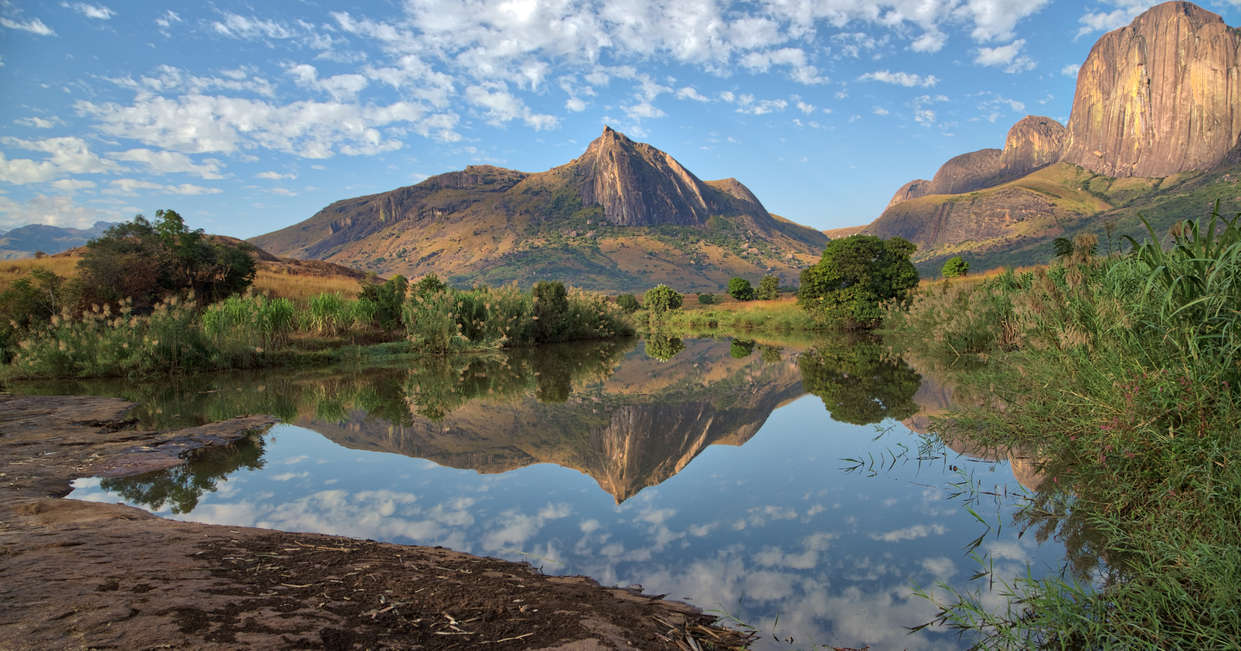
(622, 216)
(1155, 131)
(25, 241)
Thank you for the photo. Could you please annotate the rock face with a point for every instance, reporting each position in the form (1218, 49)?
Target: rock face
(1032, 144)
(639, 185)
(967, 172)
(1160, 96)
(588, 222)
(912, 190)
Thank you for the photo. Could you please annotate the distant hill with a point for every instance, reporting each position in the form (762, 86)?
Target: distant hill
(622, 216)
(1155, 131)
(25, 241)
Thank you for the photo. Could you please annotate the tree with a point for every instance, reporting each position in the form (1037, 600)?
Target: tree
(740, 289)
(707, 299)
(954, 267)
(663, 347)
(855, 276)
(859, 383)
(628, 303)
(768, 288)
(662, 298)
(551, 309)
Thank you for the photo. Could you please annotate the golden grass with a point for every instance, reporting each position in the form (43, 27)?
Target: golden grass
(269, 280)
(978, 277)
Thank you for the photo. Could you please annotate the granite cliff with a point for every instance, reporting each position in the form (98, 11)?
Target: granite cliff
(1155, 130)
(622, 216)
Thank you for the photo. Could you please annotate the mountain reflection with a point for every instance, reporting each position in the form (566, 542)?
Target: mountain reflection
(627, 417)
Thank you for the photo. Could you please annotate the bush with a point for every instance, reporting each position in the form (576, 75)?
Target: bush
(628, 303)
(708, 299)
(249, 322)
(740, 289)
(387, 300)
(328, 314)
(662, 298)
(768, 289)
(855, 277)
(955, 267)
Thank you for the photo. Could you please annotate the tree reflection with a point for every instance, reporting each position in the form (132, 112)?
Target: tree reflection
(179, 488)
(859, 383)
(663, 347)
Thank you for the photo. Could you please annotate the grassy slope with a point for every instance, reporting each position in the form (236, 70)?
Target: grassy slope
(1087, 203)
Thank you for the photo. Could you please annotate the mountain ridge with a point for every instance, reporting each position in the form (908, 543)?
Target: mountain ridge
(623, 215)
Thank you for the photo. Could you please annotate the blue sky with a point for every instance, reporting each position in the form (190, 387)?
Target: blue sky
(246, 118)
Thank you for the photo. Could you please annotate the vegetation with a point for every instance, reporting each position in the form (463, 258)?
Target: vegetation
(629, 303)
(955, 267)
(855, 277)
(662, 298)
(740, 289)
(780, 317)
(1120, 375)
(708, 299)
(768, 288)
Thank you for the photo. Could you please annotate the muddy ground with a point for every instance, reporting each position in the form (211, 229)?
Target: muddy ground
(86, 575)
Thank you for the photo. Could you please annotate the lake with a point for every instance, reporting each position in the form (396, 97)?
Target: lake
(782, 488)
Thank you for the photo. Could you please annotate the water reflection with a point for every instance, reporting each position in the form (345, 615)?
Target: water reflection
(720, 481)
(179, 488)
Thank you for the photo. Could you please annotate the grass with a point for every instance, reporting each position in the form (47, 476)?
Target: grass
(742, 317)
(1120, 375)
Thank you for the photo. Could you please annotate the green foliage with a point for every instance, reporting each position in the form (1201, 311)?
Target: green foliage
(178, 488)
(955, 267)
(859, 383)
(387, 299)
(741, 348)
(551, 311)
(768, 288)
(628, 303)
(252, 323)
(29, 303)
(740, 289)
(429, 284)
(663, 347)
(662, 298)
(855, 277)
(328, 314)
(708, 299)
(1120, 377)
(145, 261)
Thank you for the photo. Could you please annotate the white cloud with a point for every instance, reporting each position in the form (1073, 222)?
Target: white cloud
(1070, 70)
(502, 106)
(243, 27)
(340, 87)
(805, 107)
(994, 20)
(37, 122)
(66, 155)
(688, 92)
(131, 187)
(879, 110)
(167, 20)
(1123, 14)
(34, 26)
(275, 176)
(56, 210)
(932, 41)
(912, 532)
(170, 162)
(72, 185)
(1008, 57)
(97, 12)
(905, 79)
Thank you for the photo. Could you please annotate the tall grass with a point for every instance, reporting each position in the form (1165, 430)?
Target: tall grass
(1121, 376)
(778, 316)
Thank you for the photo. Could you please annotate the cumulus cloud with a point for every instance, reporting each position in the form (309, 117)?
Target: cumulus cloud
(131, 187)
(912, 532)
(905, 79)
(55, 210)
(1123, 14)
(170, 162)
(249, 27)
(37, 122)
(65, 156)
(1007, 57)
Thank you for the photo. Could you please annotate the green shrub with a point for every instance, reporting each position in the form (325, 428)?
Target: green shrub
(855, 277)
(249, 322)
(387, 300)
(740, 289)
(708, 299)
(662, 298)
(628, 303)
(955, 267)
(328, 314)
(768, 289)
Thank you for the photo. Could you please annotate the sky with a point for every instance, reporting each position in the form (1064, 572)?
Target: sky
(248, 117)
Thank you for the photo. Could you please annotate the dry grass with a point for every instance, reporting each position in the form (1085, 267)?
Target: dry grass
(977, 277)
(277, 280)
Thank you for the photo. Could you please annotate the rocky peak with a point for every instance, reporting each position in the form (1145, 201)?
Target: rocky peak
(967, 172)
(1032, 144)
(639, 185)
(1160, 96)
(912, 190)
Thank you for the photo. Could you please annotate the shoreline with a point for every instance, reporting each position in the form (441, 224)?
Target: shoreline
(84, 574)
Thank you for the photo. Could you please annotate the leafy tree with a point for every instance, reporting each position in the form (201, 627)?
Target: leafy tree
(708, 299)
(740, 289)
(387, 297)
(663, 347)
(741, 348)
(768, 288)
(551, 308)
(858, 383)
(855, 276)
(628, 303)
(429, 285)
(955, 266)
(27, 303)
(662, 298)
(146, 260)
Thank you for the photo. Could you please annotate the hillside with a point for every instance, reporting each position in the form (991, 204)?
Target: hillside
(26, 241)
(1155, 132)
(622, 216)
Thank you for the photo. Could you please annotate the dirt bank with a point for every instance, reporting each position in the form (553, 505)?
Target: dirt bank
(79, 574)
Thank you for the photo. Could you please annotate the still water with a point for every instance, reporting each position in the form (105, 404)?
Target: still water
(782, 487)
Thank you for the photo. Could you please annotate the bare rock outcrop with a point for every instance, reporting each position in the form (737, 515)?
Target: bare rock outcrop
(912, 190)
(1032, 144)
(968, 172)
(1160, 96)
